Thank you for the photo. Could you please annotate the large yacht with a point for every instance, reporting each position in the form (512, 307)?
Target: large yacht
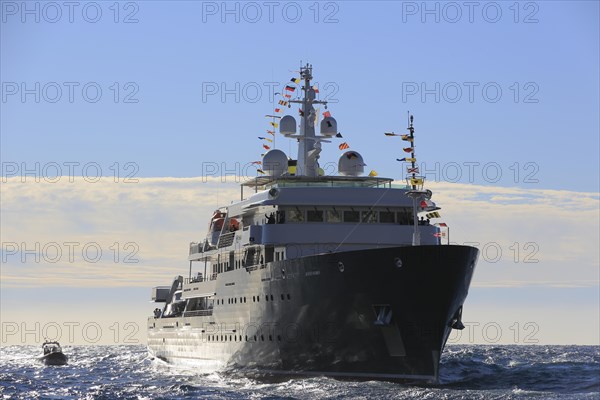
(308, 274)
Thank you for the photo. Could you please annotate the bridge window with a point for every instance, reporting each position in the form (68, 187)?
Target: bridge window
(405, 216)
(314, 216)
(369, 217)
(387, 217)
(295, 216)
(334, 216)
(351, 216)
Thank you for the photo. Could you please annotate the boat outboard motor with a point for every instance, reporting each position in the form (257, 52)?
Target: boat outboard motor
(177, 282)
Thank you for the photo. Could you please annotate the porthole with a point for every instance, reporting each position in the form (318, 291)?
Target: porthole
(282, 296)
(271, 297)
(341, 266)
(289, 297)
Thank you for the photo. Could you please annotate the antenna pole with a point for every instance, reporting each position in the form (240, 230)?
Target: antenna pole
(416, 194)
(306, 140)
(308, 149)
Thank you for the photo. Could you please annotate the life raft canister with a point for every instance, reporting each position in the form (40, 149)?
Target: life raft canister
(216, 222)
(234, 224)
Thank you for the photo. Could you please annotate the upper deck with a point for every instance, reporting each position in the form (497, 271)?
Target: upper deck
(358, 212)
(267, 182)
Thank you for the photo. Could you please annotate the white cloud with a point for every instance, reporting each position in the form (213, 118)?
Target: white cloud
(152, 221)
(545, 237)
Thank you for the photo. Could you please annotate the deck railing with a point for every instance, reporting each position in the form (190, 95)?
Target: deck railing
(201, 278)
(198, 313)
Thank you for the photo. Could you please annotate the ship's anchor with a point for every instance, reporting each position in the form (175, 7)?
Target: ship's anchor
(456, 321)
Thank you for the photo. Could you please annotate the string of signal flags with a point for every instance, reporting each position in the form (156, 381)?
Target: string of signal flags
(278, 110)
(413, 170)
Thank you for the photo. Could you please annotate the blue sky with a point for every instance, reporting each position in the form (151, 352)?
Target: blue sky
(371, 59)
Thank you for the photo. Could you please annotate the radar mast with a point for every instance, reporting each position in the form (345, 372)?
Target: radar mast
(309, 145)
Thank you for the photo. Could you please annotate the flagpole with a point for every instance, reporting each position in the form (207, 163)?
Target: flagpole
(411, 130)
(417, 194)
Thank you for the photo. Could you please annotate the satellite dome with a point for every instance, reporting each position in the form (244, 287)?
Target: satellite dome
(287, 125)
(351, 164)
(329, 126)
(275, 163)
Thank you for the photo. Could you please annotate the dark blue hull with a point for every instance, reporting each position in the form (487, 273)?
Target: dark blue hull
(370, 314)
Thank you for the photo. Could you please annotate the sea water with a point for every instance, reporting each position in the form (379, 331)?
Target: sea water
(466, 372)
